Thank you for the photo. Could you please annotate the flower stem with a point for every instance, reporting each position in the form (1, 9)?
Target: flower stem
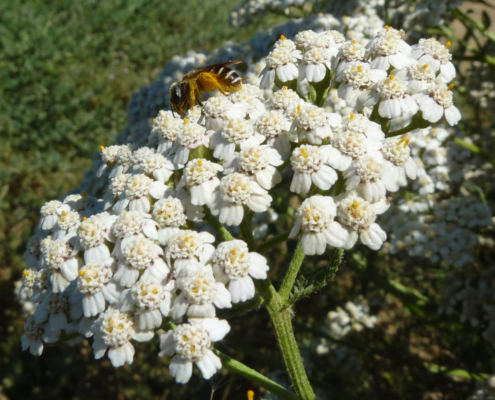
(222, 231)
(272, 242)
(251, 374)
(291, 275)
(281, 319)
(246, 232)
(417, 123)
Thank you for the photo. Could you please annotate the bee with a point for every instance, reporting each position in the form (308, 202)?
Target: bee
(186, 93)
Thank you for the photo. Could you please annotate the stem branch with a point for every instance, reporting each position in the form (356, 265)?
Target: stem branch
(292, 271)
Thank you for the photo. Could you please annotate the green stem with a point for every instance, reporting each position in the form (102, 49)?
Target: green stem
(281, 319)
(246, 232)
(245, 371)
(215, 223)
(272, 242)
(292, 271)
(417, 123)
(256, 377)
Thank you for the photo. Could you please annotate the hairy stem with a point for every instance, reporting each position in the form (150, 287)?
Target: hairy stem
(246, 232)
(251, 374)
(291, 275)
(417, 123)
(281, 319)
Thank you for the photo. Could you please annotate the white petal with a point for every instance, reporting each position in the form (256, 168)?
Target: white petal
(180, 369)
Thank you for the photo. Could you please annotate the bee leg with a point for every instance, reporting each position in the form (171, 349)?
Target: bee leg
(192, 93)
(211, 83)
(199, 102)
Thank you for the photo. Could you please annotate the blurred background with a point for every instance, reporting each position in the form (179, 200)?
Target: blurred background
(68, 71)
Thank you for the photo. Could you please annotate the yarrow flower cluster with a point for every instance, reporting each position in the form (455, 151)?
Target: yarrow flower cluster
(121, 268)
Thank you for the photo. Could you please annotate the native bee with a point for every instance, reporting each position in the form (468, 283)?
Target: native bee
(186, 93)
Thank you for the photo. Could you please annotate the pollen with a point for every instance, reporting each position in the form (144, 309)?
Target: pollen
(233, 252)
(284, 88)
(85, 218)
(153, 121)
(250, 395)
(351, 117)
(102, 147)
(298, 109)
(304, 152)
(448, 45)
(425, 66)
(200, 163)
(186, 121)
(387, 27)
(354, 41)
(25, 273)
(64, 213)
(451, 86)
(282, 37)
(391, 77)
(81, 273)
(360, 68)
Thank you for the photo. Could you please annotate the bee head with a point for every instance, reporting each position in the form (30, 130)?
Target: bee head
(176, 98)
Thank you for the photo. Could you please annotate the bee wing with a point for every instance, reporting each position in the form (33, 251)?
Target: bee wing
(215, 68)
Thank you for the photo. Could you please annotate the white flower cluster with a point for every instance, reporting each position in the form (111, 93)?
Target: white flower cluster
(116, 268)
(354, 317)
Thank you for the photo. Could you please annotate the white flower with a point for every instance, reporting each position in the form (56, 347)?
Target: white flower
(92, 234)
(394, 100)
(94, 283)
(167, 128)
(136, 194)
(315, 64)
(67, 223)
(419, 77)
(358, 216)
(139, 254)
(349, 145)
(190, 343)
(115, 189)
(274, 126)
(437, 103)
(139, 155)
(122, 160)
(257, 162)
(234, 264)
(150, 299)
(52, 309)
(235, 191)
(114, 330)
(388, 49)
(432, 52)
(304, 39)
(398, 162)
(314, 124)
(218, 109)
(190, 137)
(281, 64)
(200, 177)
(108, 157)
(199, 292)
(60, 257)
(129, 224)
(356, 77)
(282, 99)
(366, 175)
(50, 213)
(188, 247)
(234, 133)
(250, 103)
(309, 165)
(315, 217)
(34, 336)
(170, 216)
(351, 51)
(159, 167)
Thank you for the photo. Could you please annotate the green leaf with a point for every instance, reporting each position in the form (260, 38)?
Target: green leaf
(303, 287)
